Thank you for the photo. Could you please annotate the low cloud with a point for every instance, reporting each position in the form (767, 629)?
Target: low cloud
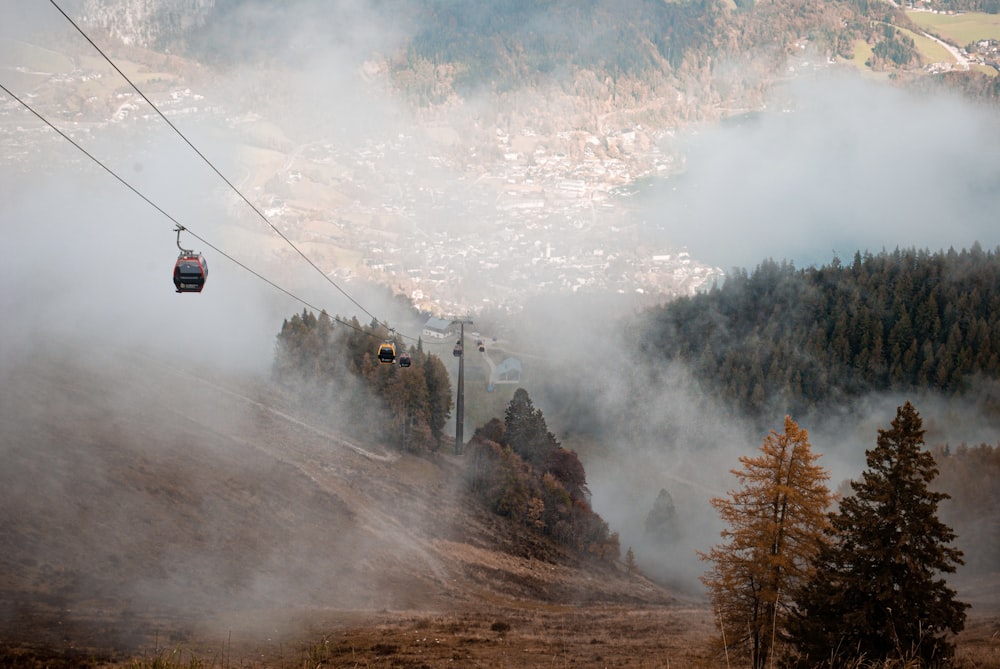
(835, 165)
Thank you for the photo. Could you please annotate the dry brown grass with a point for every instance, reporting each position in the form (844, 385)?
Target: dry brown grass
(529, 634)
(173, 512)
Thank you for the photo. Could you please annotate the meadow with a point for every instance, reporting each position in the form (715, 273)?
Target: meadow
(959, 29)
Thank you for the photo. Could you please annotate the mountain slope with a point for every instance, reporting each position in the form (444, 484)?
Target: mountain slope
(145, 505)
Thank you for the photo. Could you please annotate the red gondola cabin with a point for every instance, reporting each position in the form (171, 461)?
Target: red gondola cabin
(190, 273)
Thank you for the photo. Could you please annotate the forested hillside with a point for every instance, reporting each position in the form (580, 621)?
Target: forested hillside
(780, 338)
(686, 59)
(518, 469)
(610, 55)
(665, 63)
(334, 365)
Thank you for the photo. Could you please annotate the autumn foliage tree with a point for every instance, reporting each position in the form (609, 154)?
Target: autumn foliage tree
(774, 523)
(877, 594)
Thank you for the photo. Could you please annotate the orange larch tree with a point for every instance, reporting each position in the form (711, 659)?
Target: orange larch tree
(775, 523)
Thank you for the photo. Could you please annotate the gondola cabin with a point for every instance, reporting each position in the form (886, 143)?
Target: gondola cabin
(457, 351)
(404, 360)
(387, 352)
(190, 273)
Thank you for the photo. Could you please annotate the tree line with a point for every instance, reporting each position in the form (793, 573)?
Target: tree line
(859, 586)
(987, 6)
(800, 338)
(335, 363)
(650, 45)
(505, 44)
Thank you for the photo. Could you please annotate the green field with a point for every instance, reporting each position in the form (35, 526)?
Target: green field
(930, 51)
(959, 29)
(862, 52)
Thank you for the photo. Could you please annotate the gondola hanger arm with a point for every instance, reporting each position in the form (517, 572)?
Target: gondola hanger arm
(180, 228)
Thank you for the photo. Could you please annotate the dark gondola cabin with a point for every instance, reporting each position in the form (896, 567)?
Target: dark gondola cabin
(404, 360)
(457, 351)
(190, 273)
(387, 352)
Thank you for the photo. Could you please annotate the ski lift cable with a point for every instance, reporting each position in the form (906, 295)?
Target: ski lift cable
(174, 220)
(208, 162)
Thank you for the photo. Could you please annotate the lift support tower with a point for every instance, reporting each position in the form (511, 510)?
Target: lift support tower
(460, 399)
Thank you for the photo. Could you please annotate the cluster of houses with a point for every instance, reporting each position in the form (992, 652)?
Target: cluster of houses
(536, 220)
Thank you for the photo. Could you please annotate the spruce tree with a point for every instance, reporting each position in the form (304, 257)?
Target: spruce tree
(525, 431)
(877, 593)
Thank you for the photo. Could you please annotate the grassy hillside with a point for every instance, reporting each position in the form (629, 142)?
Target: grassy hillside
(147, 506)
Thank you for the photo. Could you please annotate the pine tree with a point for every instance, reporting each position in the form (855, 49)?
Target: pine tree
(775, 522)
(525, 431)
(877, 593)
(662, 524)
(630, 565)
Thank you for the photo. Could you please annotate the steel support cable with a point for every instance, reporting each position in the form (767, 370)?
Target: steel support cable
(219, 173)
(171, 218)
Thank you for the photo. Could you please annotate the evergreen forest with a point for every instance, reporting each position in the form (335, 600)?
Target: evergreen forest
(784, 340)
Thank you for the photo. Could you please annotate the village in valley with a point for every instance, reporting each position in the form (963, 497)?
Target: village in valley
(458, 236)
(455, 227)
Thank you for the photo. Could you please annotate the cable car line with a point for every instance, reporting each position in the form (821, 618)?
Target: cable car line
(219, 173)
(175, 221)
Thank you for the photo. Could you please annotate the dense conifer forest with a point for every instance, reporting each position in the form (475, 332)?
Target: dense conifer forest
(780, 338)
